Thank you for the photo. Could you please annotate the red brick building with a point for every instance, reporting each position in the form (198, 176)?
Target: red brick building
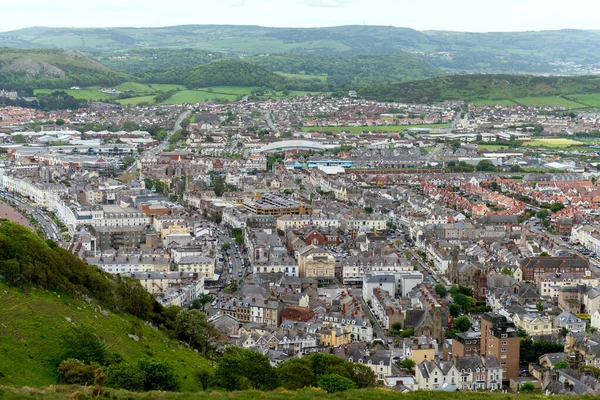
(297, 313)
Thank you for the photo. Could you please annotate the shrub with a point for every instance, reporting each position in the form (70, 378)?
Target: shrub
(74, 372)
(335, 383)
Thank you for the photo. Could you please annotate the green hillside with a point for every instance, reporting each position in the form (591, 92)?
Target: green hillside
(55, 307)
(140, 61)
(355, 69)
(53, 68)
(218, 73)
(482, 87)
(495, 52)
(33, 322)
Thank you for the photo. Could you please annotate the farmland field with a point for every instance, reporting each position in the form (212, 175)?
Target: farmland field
(492, 147)
(591, 99)
(551, 101)
(360, 129)
(137, 100)
(135, 87)
(91, 93)
(196, 96)
(552, 143)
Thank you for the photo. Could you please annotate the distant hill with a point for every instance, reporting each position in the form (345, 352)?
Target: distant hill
(140, 61)
(480, 87)
(219, 73)
(566, 51)
(53, 68)
(354, 69)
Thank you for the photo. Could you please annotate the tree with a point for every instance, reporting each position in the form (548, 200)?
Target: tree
(451, 333)
(332, 383)
(219, 187)
(441, 290)
(408, 364)
(544, 254)
(82, 344)
(556, 206)
(396, 328)
(539, 306)
(368, 210)
(564, 332)
(241, 369)
(295, 374)
(204, 378)
(361, 375)
(527, 387)
(19, 139)
(561, 365)
(485, 166)
(516, 168)
(409, 332)
(237, 232)
(144, 375)
(463, 301)
(542, 214)
(239, 240)
(59, 122)
(463, 323)
(203, 300)
(193, 328)
(128, 161)
(506, 271)
(454, 310)
(225, 246)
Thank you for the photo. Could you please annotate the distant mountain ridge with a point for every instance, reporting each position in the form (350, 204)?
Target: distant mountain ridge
(563, 51)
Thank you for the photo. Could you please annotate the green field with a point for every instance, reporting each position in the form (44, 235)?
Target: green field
(590, 99)
(32, 322)
(196, 96)
(492, 147)
(137, 100)
(91, 93)
(360, 129)
(553, 143)
(550, 101)
(135, 87)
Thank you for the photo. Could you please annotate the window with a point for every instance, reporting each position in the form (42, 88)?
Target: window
(504, 342)
(503, 350)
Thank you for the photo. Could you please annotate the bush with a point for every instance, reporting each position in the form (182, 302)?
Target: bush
(295, 374)
(74, 372)
(335, 383)
(145, 375)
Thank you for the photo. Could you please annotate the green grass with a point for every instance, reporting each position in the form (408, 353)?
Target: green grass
(32, 323)
(65, 393)
(550, 101)
(360, 129)
(492, 147)
(237, 90)
(552, 143)
(83, 94)
(590, 99)
(137, 100)
(196, 96)
(136, 87)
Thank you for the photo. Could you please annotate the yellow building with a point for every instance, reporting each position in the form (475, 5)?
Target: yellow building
(534, 323)
(315, 262)
(422, 349)
(335, 337)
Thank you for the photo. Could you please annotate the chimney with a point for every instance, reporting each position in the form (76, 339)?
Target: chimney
(566, 384)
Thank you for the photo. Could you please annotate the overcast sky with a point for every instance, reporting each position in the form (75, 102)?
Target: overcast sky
(457, 15)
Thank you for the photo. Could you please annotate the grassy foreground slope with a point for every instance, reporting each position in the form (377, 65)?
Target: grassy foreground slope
(65, 392)
(32, 323)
